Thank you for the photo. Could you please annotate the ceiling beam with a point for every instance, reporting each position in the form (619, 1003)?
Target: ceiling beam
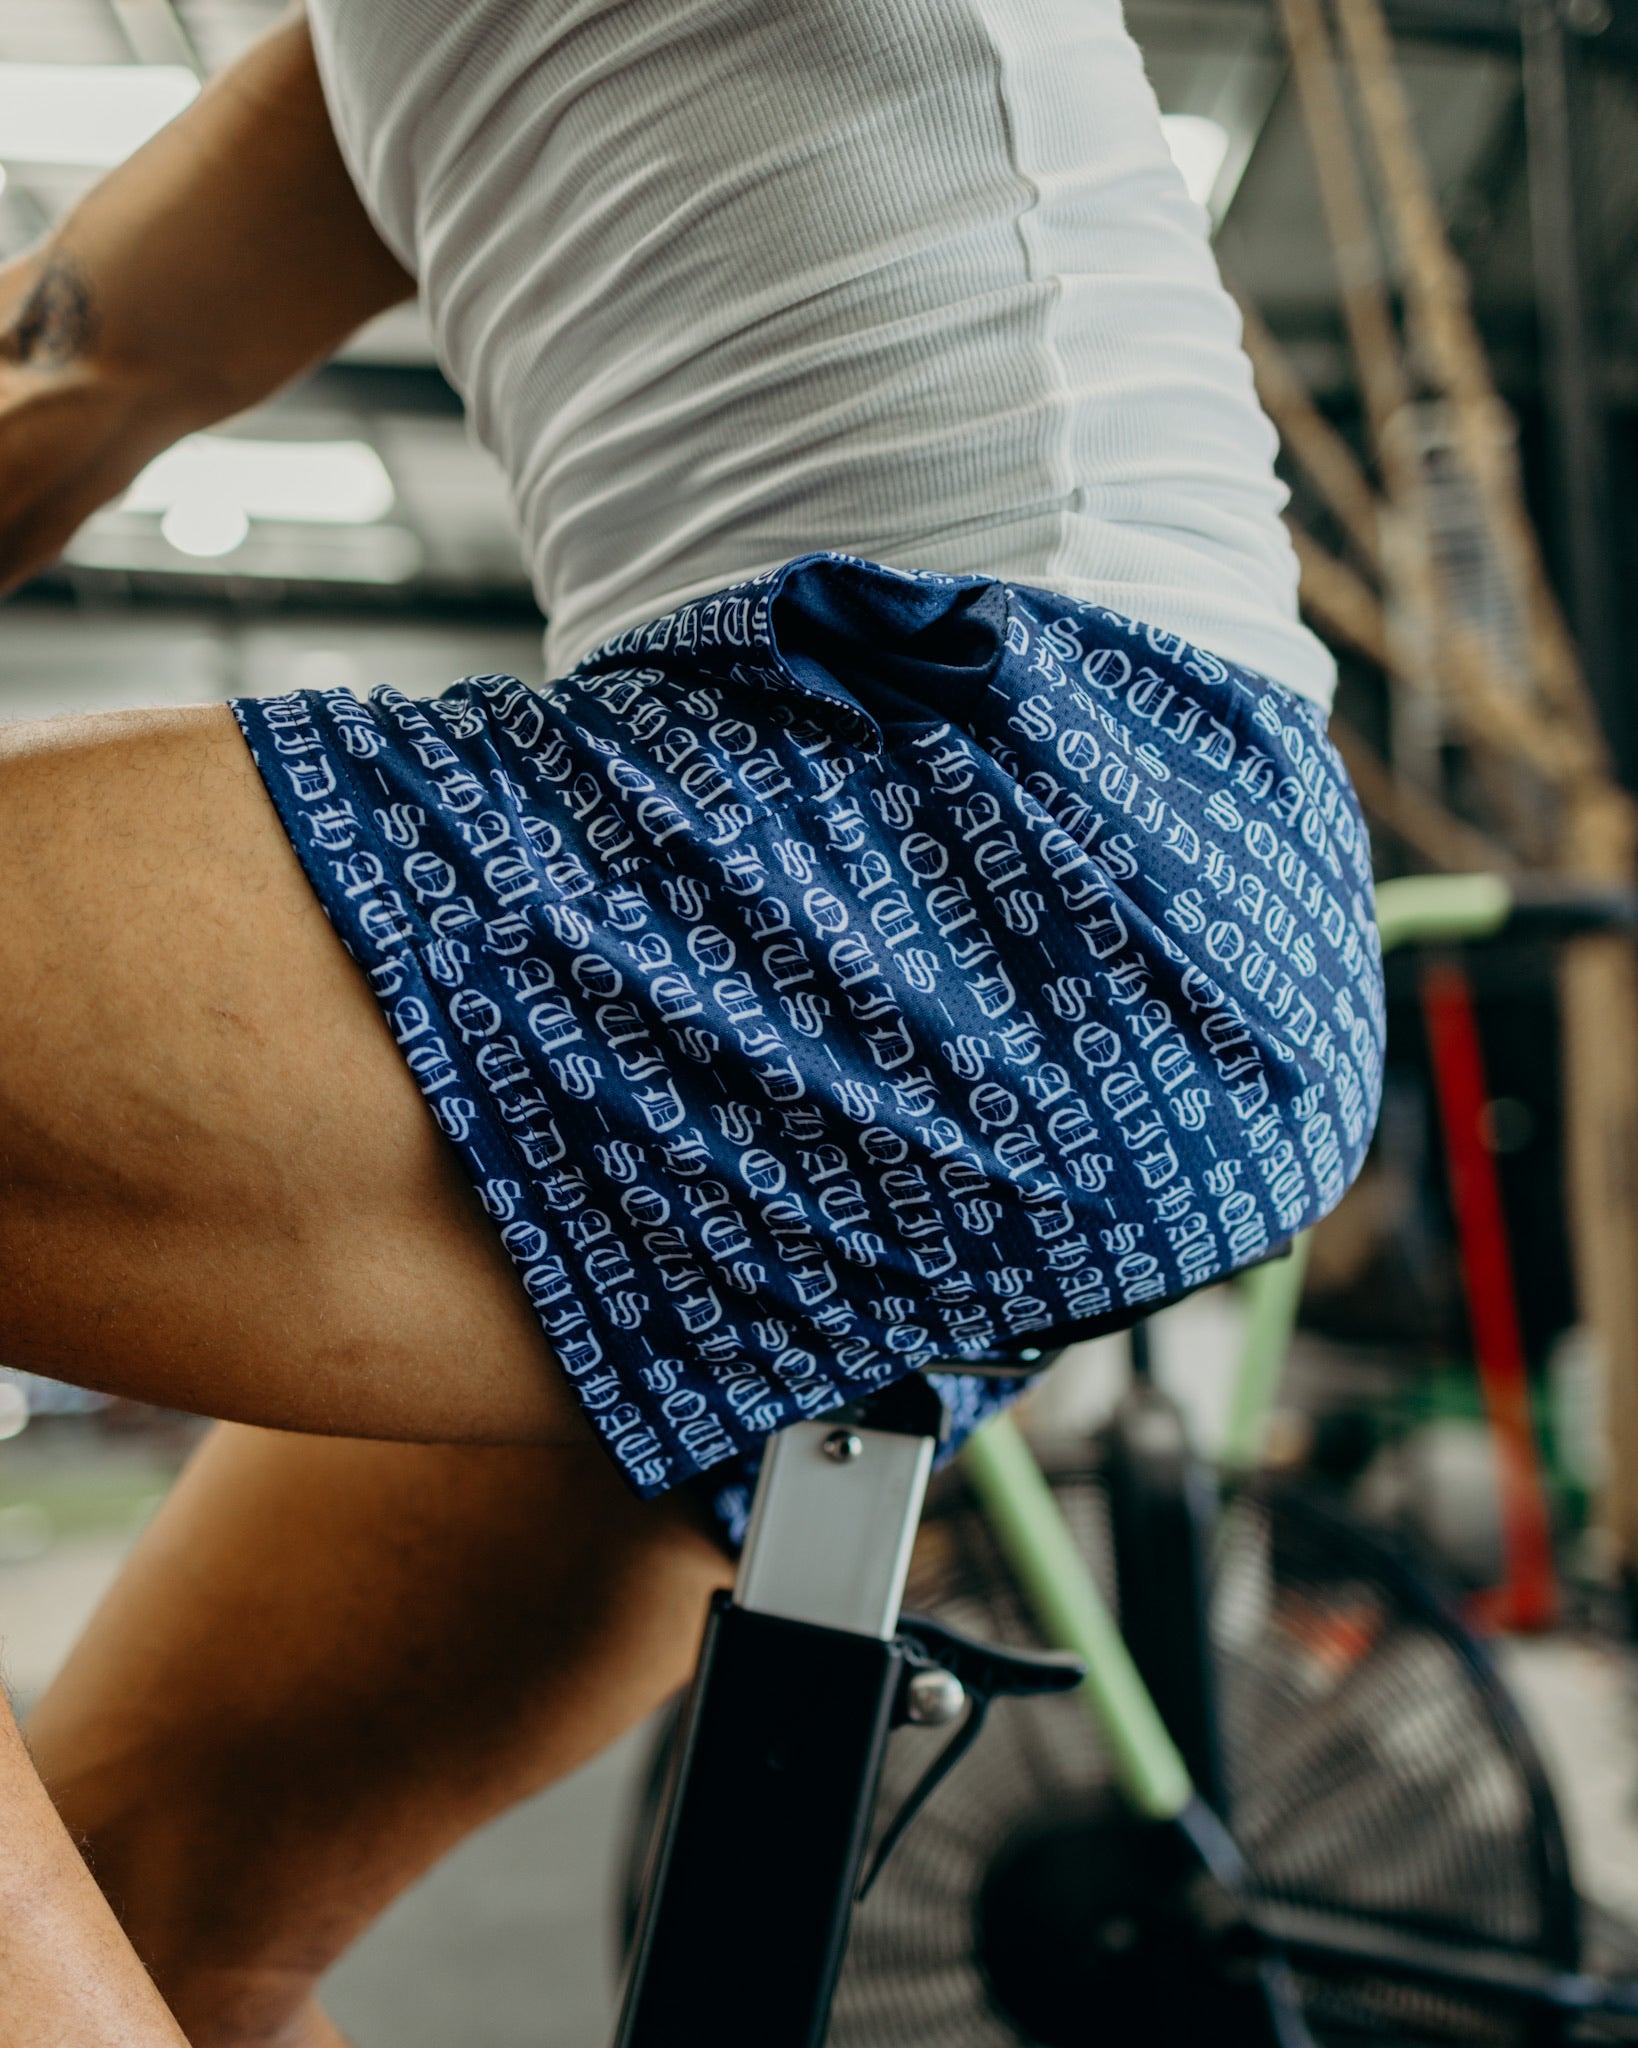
(69, 588)
(1609, 27)
(1606, 29)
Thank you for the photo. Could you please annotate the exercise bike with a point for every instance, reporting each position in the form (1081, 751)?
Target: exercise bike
(1145, 1897)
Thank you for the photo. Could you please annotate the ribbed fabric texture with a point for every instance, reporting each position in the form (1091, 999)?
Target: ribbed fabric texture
(727, 281)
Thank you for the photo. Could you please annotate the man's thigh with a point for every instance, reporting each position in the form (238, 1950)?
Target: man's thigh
(219, 1186)
(325, 1663)
(220, 1189)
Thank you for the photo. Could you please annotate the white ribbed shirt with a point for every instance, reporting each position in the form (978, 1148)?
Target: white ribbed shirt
(723, 282)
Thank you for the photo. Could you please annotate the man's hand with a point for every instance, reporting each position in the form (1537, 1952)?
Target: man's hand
(227, 256)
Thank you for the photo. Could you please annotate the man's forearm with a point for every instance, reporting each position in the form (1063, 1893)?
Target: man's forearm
(224, 258)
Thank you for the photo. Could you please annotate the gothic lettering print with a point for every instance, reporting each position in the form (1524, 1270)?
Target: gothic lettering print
(852, 971)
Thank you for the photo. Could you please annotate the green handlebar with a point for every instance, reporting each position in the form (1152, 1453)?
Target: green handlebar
(1430, 907)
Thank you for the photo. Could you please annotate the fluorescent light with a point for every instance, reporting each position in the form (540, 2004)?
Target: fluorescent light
(379, 554)
(1198, 146)
(325, 483)
(93, 114)
(204, 526)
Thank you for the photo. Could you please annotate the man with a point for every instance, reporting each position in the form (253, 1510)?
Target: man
(69, 1972)
(830, 975)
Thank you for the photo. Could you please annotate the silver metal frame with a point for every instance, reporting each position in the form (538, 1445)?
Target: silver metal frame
(832, 1526)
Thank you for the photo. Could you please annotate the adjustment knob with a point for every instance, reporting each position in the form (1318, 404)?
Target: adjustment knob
(933, 1699)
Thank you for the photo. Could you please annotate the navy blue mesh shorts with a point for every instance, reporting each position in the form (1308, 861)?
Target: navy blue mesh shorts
(850, 971)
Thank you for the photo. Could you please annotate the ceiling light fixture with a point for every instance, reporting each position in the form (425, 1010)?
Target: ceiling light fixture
(378, 554)
(90, 114)
(324, 483)
(204, 526)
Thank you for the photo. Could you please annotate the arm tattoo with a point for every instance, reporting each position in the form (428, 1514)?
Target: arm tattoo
(56, 323)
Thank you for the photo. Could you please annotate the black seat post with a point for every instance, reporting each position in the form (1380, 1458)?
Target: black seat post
(747, 1902)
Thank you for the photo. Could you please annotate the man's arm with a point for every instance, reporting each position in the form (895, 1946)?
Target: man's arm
(225, 257)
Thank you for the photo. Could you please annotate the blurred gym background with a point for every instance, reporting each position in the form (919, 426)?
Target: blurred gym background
(1479, 369)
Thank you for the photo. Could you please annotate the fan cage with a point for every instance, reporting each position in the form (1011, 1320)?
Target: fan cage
(1376, 1767)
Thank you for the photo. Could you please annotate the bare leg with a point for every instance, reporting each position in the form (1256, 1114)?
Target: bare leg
(66, 1973)
(220, 1189)
(326, 1663)
(219, 1186)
